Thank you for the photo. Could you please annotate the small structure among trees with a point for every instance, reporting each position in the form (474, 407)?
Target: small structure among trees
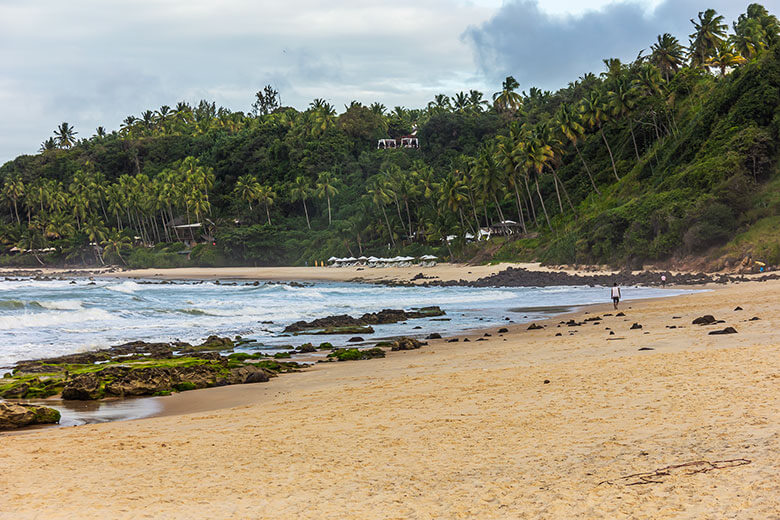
(384, 144)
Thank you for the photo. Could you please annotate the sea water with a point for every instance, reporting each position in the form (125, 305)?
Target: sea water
(51, 318)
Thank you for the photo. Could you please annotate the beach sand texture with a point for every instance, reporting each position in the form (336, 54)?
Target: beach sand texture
(454, 430)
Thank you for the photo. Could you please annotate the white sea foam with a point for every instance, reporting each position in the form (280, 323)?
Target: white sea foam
(50, 319)
(62, 305)
(128, 287)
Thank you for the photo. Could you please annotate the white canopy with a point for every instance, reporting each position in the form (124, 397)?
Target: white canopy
(428, 257)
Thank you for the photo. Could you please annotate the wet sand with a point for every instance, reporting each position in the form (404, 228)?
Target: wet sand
(454, 430)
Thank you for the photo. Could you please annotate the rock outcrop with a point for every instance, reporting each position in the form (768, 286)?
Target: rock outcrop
(14, 415)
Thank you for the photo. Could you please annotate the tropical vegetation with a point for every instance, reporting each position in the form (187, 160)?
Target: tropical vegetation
(671, 155)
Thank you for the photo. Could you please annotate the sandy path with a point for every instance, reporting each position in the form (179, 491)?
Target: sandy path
(454, 430)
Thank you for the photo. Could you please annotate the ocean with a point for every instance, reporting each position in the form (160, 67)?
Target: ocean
(51, 318)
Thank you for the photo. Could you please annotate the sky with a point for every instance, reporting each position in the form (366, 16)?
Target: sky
(93, 63)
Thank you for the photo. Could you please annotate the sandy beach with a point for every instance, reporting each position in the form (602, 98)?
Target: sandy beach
(525, 424)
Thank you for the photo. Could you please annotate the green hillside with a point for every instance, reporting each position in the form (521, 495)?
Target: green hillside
(670, 157)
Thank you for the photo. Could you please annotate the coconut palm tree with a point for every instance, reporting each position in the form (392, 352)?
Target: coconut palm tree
(709, 33)
(594, 115)
(325, 188)
(622, 102)
(13, 190)
(300, 190)
(266, 195)
(725, 57)
(116, 242)
(377, 194)
(476, 101)
(569, 123)
(246, 189)
(535, 156)
(507, 99)
(667, 54)
(66, 135)
(460, 102)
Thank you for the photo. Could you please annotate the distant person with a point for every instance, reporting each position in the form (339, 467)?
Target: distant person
(615, 295)
(663, 280)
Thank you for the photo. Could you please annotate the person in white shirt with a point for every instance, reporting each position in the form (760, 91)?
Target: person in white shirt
(615, 295)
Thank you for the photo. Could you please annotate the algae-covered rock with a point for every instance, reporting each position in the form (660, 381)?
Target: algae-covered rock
(82, 387)
(20, 415)
(354, 354)
(406, 344)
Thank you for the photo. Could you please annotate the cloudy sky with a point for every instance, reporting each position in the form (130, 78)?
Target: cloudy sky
(92, 62)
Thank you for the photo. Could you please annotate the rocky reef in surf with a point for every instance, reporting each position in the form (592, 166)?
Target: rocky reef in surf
(19, 415)
(140, 369)
(345, 324)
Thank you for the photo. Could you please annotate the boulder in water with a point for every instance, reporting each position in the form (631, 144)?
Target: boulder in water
(20, 415)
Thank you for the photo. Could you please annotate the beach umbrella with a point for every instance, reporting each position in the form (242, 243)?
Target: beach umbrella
(428, 257)
(332, 259)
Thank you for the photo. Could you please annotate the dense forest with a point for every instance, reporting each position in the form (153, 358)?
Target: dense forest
(671, 156)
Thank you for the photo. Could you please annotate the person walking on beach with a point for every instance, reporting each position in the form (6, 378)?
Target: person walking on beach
(615, 295)
(663, 281)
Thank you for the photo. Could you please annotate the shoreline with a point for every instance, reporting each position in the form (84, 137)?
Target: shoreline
(231, 396)
(524, 423)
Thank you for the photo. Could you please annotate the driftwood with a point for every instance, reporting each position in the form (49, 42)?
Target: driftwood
(654, 477)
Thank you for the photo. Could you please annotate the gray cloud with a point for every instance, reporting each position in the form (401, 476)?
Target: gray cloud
(548, 51)
(92, 62)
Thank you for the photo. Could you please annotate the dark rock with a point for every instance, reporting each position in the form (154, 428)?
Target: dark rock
(546, 381)
(534, 326)
(20, 415)
(559, 334)
(754, 318)
(738, 308)
(82, 387)
(406, 344)
(306, 347)
(466, 340)
(646, 348)
(487, 335)
(481, 339)
(612, 333)
(503, 330)
(382, 317)
(453, 340)
(620, 314)
(635, 326)
(727, 330)
(433, 335)
(707, 319)
(355, 339)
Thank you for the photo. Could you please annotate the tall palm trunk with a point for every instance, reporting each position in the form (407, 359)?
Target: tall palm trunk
(563, 187)
(16, 212)
(306, 211)
(268, 213)
(611, 157)
(408, 216)
(587, 170)
(633, 138)
(519, 207)
(389, 229)
(557, 193)
(329, 215)
(531, 200)
(541, 200)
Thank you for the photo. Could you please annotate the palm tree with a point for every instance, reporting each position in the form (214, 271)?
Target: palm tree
(570, 125)
(47, 145)
(460, 102)
(66, 136)
(116, 242)
(300, 190)
(622, 101)
(507, 99)
(440, 103)
(266, 195)
(246, 189)
(535, 156)
(592, 111)
(377, 108)
(709, 33)
(13, 190)
(100, 132)
(667, 54)
(378, 195)
(725, 57)
(325, 188)
(476, 101)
